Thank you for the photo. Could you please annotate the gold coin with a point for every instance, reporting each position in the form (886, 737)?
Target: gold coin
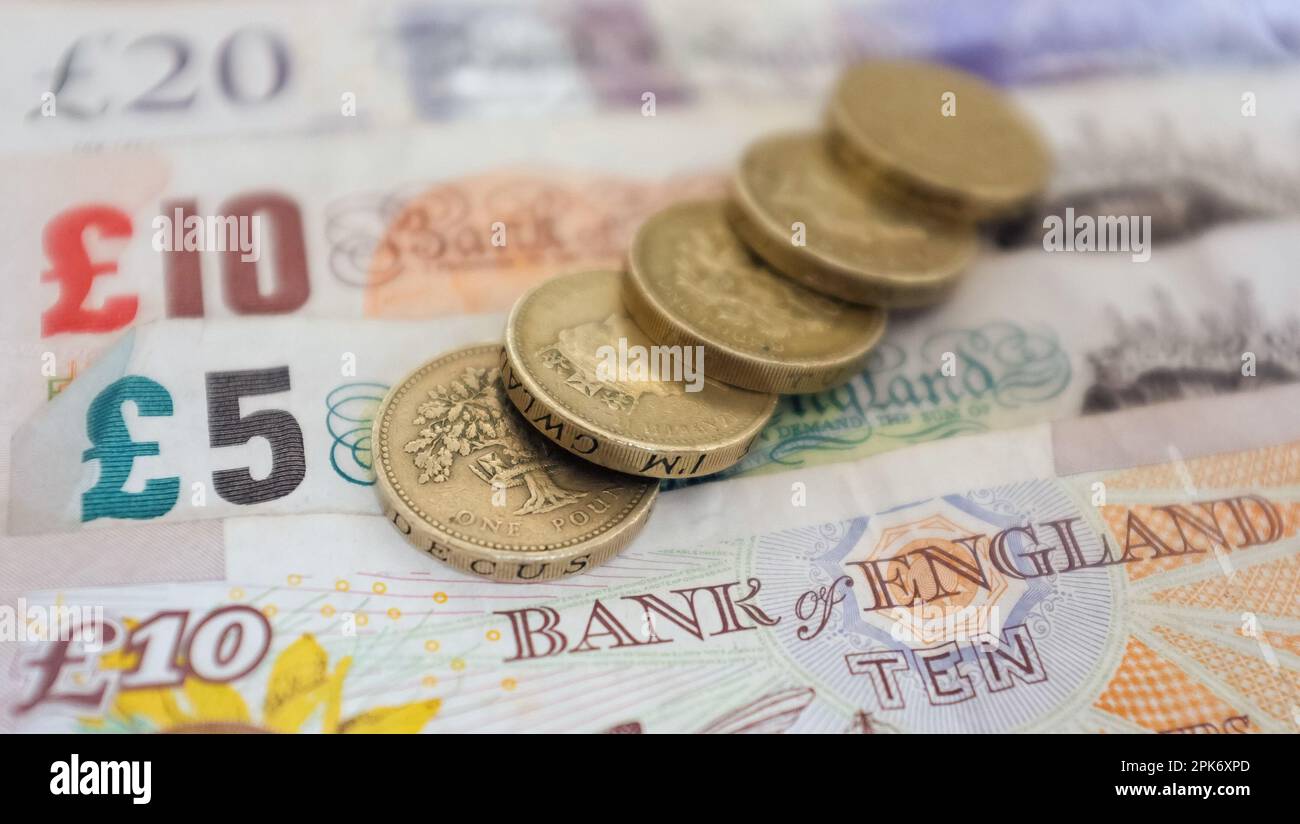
(939, 136)
(589, 379)
(793, 205)
(465, 479)
(691, 282)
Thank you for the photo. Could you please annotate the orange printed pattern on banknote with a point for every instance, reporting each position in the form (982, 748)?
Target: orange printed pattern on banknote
(1156, 694)
(475, 244)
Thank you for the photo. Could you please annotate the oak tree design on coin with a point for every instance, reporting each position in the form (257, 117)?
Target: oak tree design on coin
(691, 282)
(467, 419)
(630, 423)
(857, 244)
(469, 482)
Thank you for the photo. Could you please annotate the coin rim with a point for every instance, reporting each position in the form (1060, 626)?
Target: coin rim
(878, 163)
(601, 544)
(736, 366)
(622, 453)
(829, 275)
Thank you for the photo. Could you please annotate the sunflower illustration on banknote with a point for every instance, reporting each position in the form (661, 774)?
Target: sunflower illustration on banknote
(303, 694)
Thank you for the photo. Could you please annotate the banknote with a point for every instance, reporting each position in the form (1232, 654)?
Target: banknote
(433, 223)
(1015, 42)
(192, 419)
(92, 75)
(1005, 351)
(1127, 572)
(450, 220)
(440, 221)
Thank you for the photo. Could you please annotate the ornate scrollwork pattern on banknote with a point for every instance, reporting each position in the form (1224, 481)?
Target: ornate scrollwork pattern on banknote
(906, 397)
(474, 244)
(350, 408)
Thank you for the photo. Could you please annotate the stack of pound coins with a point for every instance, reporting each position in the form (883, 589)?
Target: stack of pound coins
(540, 458)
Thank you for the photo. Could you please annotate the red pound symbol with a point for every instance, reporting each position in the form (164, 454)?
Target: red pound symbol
(72, 268)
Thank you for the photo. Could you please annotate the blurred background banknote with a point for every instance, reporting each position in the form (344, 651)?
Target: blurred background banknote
(382, 148)
(124, 72)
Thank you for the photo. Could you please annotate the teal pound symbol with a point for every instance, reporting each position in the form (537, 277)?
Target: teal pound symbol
(116, 452)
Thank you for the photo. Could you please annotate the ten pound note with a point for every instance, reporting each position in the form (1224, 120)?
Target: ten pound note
(458, 219)
(1135, 571)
